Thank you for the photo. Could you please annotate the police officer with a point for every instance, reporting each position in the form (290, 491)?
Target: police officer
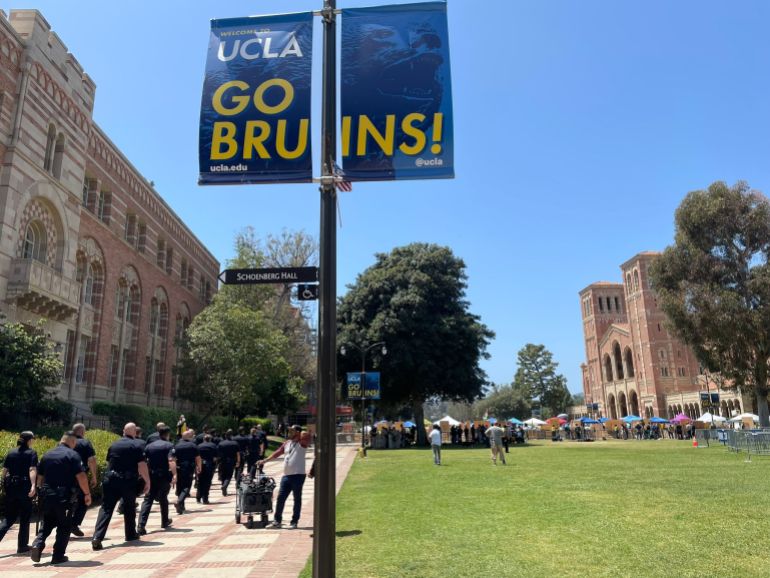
(162, 476)
(229, 459)
(256, 448)
(125, 465)
(59, 472)
(208, 454)
(18, 475)
(243, 447)
(85, 450)
(188, 463)
(155, 436)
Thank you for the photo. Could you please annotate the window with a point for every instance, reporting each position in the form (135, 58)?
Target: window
(142, 238)
(103, 207)
(183, 273)
(58, 156)
(190, 277)
(147, 371)
(86, 193)
(662, 354)
(50, 144)
(88, 288)
(113, 365)
(85, 343)
(169, 260)
(636, 280)
(131, 229)
(601, 306)
(682, 372)
(617, 304)
(35, 242)
(69, 349)
(664, 371)
(609, 304)
(160, 258)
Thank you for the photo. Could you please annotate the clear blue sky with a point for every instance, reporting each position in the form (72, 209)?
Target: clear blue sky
(579, 127)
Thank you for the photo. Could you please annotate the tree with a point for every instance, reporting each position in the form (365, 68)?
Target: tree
(30, 371)
(536, 374)
(504, 402)
(713, 283)
(413, 299)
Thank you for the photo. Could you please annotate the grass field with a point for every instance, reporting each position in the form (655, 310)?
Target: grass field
(617, 508)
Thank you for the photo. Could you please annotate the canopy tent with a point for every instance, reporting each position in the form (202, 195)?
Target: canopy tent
(657, 419)
(681, 417)
(447, 418)
(563, 416)
(534, 421)
(492, 420)
(743, 416)
(710, 418)
(587, 420)
(630, 418)
(409, 424)
(604, 419)
(515, 421)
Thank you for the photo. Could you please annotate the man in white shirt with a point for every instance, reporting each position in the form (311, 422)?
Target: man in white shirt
(293, 474)
(435, 444)
(495, 435)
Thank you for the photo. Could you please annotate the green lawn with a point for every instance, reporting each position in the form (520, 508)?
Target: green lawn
(618, 508)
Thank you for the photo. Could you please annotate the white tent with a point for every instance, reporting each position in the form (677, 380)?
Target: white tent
(743, 416)
(709, 418)
(447, 418)
(534, 421)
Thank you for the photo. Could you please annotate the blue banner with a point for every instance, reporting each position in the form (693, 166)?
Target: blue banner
(371, 389)
(255, 111)
(396, 93)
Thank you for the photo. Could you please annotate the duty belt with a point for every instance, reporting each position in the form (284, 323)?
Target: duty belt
(122, 475)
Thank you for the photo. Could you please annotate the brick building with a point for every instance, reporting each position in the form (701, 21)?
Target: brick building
(633, 364)
(86, 243)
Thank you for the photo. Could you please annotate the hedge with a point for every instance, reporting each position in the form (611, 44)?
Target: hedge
(100, 439)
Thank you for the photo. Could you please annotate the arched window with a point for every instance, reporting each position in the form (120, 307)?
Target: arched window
(628, 283)
(629, 362)
(634, 400)
(618, 360)
(50, 145)
(88, 287)
(636, 279)
(58, 156)
(612, 407)
(608, 367)
(35, 242)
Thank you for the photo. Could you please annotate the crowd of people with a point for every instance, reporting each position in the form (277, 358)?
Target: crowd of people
(62, 480)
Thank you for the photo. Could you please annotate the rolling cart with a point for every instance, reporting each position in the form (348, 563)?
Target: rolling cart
(254, 497)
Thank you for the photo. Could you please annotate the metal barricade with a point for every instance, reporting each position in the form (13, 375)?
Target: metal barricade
(752, 442)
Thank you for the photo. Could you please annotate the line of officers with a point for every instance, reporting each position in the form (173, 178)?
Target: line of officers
(135, 467)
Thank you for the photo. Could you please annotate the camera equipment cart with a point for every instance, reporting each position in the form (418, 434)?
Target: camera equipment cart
(254, 495)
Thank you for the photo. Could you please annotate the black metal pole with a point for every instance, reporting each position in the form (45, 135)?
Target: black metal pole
(324, 518)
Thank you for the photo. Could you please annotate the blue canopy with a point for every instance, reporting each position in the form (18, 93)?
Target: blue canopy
(513, 420)
(409, 424)
(603, 419)
(585, 420)
(492, 420)
(657, 419)
(630, 418)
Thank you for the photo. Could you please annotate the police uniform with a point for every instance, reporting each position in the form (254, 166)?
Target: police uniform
(243, 447)
(17, 486)
(256, 446)
(59, 468)
(85, 450)
(120, 483)
(153, 437)
(185, 453)
(157, 455)
(208, 454)
(228, 456)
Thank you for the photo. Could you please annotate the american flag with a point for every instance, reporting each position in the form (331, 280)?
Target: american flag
(339, 181)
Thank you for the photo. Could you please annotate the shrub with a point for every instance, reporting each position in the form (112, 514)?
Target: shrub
(266, 423)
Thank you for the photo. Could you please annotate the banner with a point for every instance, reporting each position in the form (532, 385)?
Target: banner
(255, 110)
(396, 95)
(370, 390)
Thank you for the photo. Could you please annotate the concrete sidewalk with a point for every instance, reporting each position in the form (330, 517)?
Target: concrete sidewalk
(204, 542)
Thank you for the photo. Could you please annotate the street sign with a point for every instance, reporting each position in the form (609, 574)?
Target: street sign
(266, 276)
(307, 292)
(371, 389)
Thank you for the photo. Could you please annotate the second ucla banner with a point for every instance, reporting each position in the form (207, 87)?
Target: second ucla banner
(255, 111)
(396, 93)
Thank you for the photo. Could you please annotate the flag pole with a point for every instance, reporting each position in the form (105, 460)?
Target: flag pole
(324, 510)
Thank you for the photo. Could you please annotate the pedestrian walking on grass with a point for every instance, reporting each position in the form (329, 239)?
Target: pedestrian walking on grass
(59, 473)
(18, 475)
(435, 444)
(293, 479)
(495, 435)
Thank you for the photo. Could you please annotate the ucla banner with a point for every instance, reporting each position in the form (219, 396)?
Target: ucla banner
(396, 93)
(255, 111)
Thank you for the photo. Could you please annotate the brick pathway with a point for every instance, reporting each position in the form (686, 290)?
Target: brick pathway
(204, 542)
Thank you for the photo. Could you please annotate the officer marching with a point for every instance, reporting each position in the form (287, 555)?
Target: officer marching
(208, 454)
(229, 459)
(59, 473)
(85, 450)
(126, 464)
(18, 476)
(188, 463)
(162, 466)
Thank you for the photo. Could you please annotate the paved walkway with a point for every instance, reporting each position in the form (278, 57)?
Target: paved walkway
(204, 542)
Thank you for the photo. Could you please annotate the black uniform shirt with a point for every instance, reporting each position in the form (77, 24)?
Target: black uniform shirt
(153, 437)
(228, 449)
(60, 466)
(85, 450)
(208, 452)
(124, 455)
(185, 452)
(157, 454)
(243, 443)
(199, 439)
(256, 444)
(18, 462)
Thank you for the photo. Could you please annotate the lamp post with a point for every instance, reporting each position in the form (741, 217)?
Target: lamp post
(364, 350)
